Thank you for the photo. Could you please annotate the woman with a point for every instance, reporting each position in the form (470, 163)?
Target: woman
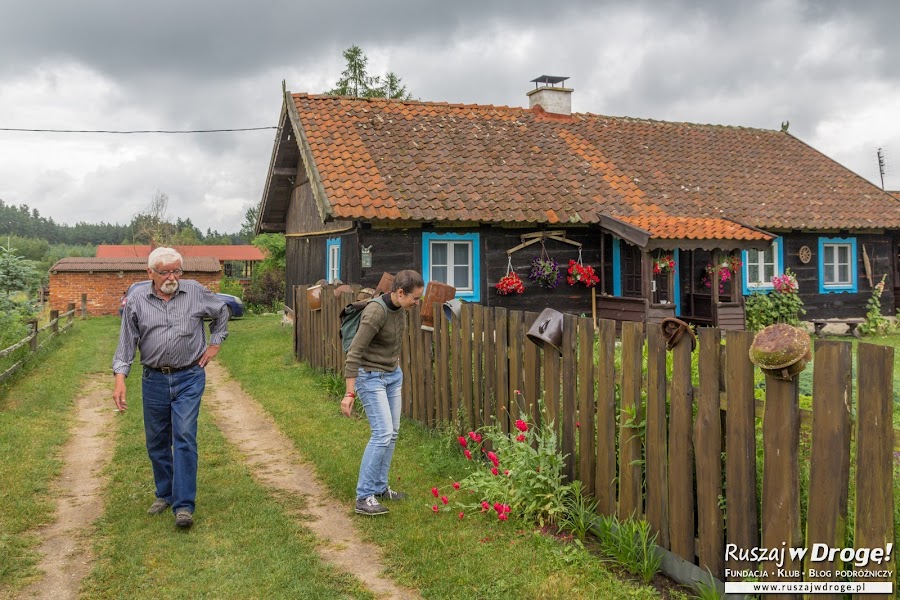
(373, 374)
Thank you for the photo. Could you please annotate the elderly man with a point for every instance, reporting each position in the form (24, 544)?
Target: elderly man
(164, 319)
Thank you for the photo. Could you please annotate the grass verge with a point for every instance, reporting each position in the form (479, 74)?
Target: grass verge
(441, 556)
(35, 414)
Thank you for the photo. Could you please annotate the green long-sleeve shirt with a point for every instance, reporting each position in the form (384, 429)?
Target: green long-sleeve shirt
(376, 345)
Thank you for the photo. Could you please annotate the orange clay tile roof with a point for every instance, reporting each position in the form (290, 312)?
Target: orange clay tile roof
(694, 228)
(422, 161)
(244, 252)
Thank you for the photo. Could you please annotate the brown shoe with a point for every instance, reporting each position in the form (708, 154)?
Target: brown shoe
(183, 518)
(158, 506)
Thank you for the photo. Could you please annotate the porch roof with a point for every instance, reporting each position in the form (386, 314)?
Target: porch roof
(708, 233)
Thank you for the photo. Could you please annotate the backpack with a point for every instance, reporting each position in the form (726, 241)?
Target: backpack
(350, 318)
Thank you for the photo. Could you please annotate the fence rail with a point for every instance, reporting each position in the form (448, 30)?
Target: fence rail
(31, 339)
(684, 463)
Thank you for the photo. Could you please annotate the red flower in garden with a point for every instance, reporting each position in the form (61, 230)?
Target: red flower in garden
(444, 499)
(472, 435)
(520, 437)
(521, 425)
(462, 442)
(494, 471)
(455, 485)
(506, 472)
(435, 508)
(484, 505)
(493, 458)
(577, 424)
(434, 492)
(468, 454)
(461, 515)
(498, 507)
(503, 516)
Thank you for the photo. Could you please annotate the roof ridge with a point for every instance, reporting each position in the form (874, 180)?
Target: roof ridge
(524, 110)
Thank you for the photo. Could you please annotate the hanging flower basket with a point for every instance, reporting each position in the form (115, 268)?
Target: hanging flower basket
(663, 264)
(578, 273)
(545, 272)
(722, 273)
(510, 284)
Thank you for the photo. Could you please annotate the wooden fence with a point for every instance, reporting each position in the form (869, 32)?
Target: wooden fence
(50, 330)
(661, 448)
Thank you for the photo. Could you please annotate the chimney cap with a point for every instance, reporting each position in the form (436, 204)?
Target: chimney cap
(548, 80)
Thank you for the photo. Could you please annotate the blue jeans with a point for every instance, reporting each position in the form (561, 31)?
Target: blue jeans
(380, 396)
(171, 407)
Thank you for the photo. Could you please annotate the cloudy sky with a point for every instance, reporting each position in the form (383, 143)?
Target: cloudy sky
(832, 69)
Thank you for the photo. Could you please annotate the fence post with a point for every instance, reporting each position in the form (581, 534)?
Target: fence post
(781, 477)
(71, 310)
(33, 343)
(874, 522)
(54, 321)
(84, 306)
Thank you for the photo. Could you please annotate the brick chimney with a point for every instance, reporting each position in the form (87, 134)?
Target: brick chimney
(549, 94)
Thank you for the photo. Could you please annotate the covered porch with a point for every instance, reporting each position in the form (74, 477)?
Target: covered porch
(682, 267)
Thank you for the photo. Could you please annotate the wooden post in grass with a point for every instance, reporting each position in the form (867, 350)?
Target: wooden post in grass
(681, 453)
(54, 322)
(587, 457)
(605, 491)
(630, 469)
(740, 447)
(569, 399)
(657, 447)
(781, 477)
(829, 472)
(874, 521)
(708, 444)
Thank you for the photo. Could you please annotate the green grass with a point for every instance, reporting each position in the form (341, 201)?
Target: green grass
(439, 554)
(243, 543)
(35, 413)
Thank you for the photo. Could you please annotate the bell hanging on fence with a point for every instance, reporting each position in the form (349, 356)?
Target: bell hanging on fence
(781, 350)
(547, 330)
(342, 289)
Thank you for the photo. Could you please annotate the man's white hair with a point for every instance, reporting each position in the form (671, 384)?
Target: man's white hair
(164, 256)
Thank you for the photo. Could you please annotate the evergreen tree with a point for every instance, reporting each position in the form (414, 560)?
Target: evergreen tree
(356, 82)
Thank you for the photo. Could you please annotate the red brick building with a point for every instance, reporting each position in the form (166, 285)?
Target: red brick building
(104, 280)
(236, 261)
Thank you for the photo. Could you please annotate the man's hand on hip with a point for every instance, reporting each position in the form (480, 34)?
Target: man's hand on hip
(207, 356)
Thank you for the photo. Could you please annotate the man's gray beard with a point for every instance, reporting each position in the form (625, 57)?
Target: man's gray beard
(169, 287)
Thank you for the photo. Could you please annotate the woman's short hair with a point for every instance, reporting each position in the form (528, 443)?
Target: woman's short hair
(407, 280)
(163, 256)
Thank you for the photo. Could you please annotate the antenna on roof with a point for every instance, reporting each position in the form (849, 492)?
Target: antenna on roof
(550, 80)
(881, 167)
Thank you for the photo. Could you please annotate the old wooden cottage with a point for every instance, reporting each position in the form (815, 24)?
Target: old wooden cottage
(676, 218)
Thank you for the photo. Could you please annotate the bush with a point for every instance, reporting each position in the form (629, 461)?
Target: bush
(230, 285)
(876, 323)
(781, 305)
(266, 291)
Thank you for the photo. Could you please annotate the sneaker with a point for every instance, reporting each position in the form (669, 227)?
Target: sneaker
(183, 518)
(370, 506)
(390, 494)
(158, 506)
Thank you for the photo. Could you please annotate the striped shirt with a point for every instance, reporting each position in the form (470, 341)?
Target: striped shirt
(168, 334)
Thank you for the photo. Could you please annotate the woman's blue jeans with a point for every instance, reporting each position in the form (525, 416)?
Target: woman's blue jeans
(380, 396)
(171, 407)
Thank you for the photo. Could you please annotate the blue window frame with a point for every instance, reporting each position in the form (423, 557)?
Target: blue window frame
(760, 266)
(837, 265)
(617, 266)
(333, 259)
(454, 259)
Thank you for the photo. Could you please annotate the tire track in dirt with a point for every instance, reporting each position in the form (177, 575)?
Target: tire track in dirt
(276, 463)
(65, 545)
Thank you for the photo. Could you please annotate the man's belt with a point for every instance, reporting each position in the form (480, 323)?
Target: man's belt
(170, 370)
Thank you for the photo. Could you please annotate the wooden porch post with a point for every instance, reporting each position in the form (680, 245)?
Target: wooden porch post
(646, 276)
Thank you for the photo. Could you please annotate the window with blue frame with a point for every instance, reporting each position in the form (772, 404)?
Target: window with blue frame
(454, 259)
(837, 265)
(333, 259)
(761, 266)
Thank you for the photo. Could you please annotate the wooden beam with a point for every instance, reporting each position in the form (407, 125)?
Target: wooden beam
(634, 235)
(284, 171)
